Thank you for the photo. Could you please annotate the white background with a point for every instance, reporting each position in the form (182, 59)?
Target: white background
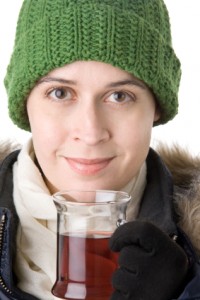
(185, 22)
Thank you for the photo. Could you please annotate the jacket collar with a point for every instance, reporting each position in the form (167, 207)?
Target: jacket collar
(157, 201)
(9, 223)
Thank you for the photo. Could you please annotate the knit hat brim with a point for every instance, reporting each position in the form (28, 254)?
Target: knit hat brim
(123, 39)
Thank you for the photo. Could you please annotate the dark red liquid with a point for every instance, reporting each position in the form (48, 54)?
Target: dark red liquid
(84, 268)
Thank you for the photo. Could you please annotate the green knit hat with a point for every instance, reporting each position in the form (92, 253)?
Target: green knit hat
(133, 35)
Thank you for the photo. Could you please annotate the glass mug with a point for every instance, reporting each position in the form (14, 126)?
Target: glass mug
(85, 222)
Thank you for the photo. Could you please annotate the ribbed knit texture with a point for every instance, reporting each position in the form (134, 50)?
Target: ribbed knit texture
(133, 35)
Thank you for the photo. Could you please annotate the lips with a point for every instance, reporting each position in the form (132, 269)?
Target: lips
(88, 166)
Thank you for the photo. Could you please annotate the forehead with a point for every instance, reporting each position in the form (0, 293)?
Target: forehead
(91, 70)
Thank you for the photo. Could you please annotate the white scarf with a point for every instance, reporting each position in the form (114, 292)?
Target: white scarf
(36, 238)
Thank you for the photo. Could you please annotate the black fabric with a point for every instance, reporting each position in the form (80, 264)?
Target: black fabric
(157, 201)
(8, 249)
(152, 265)
(8, 210)
(6, 184)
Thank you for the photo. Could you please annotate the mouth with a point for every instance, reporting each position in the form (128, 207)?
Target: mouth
(88, 166)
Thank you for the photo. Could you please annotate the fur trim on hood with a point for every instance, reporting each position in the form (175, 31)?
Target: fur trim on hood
(6, 147)
(185, 170)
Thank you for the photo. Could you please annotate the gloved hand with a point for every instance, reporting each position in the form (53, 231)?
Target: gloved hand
(151, 265)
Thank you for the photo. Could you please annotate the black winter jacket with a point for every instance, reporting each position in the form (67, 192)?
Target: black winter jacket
(158, 194)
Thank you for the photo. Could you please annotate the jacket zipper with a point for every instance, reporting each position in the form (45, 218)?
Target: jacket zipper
(2, 227)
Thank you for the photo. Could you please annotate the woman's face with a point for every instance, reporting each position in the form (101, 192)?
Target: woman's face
(91, 125)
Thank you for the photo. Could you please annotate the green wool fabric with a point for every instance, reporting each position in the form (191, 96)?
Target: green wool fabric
(133, 35)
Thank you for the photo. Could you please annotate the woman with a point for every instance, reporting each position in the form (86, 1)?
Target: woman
(90, 79)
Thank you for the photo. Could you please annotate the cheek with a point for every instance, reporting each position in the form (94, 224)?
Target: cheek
(136, 130)
(136, 146)
(47, 134)
(135, 139)
(44, 124)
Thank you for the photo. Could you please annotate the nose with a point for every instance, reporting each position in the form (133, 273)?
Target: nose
(90, 125)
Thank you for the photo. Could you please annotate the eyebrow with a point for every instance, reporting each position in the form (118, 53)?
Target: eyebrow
(133, 81)
(50, 79)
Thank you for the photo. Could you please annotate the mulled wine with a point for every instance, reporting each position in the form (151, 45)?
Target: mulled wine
(85, 265)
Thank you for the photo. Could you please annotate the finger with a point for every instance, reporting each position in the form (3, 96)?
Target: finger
(143, 234)
(117, 295)
(124, 282)
(132, 258)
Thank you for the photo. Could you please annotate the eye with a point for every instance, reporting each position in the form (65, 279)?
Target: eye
(60, 93)
(121, 97)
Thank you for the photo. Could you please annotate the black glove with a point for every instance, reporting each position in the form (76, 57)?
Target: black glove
(151, 265)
